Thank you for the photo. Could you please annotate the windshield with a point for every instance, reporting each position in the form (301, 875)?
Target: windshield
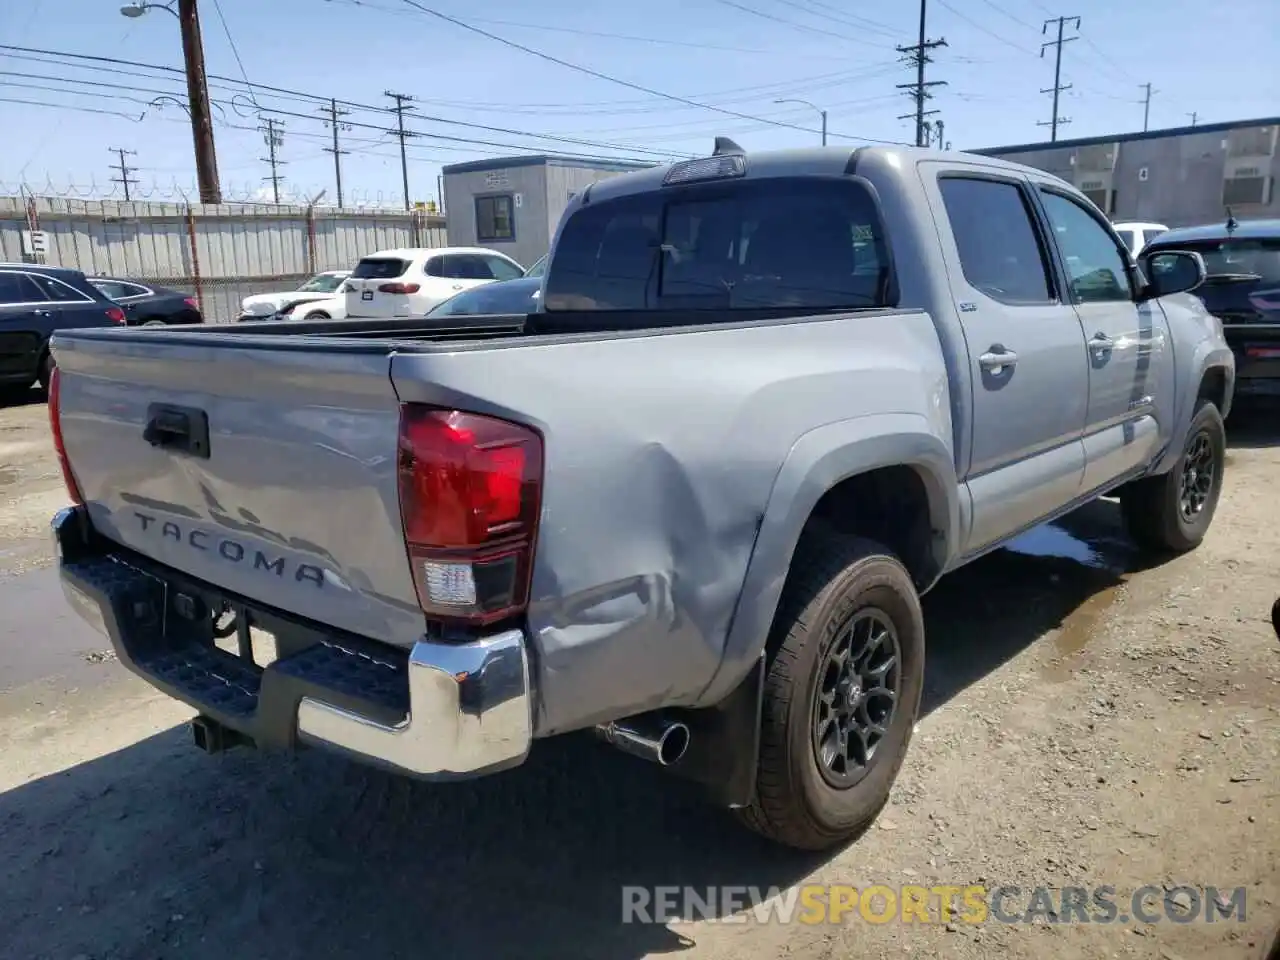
(539, 268)
(512, 296)
(322, 283)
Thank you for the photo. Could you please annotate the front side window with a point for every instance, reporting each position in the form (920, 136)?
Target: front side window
(999, 251)
(1096, 269)
(494, 220)
(791, 243)
(1149, 235)
(502, 269)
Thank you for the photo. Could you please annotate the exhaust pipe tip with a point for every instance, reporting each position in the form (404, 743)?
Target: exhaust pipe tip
(662, 742)
(672, 744)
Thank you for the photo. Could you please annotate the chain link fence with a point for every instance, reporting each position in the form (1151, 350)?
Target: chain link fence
(218, 254)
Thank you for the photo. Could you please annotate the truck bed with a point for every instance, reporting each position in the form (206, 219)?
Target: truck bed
(661, 446)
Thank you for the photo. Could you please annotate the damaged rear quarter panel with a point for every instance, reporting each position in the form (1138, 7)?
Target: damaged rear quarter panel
(661, 453)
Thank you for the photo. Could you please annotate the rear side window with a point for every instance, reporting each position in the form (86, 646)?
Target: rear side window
(380, 268)
(1149, 235)
(1000, 253)
(58, 291)
(19, 288)
(800, 243)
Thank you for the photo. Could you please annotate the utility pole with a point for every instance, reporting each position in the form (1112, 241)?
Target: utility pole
(198, 103)
(272, 135)
(1146, 105)
(918, 54)
(1058, 85)
(124, 179)
(402, 134)
(334, 113)
(1193, 115)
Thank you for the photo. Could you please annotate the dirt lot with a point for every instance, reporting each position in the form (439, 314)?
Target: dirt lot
(1090, 721)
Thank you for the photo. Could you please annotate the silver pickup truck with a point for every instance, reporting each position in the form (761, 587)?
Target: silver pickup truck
(690, 504)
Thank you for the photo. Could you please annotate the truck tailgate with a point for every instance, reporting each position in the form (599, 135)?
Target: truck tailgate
(293, 501)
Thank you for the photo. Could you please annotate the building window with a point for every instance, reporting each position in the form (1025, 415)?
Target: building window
(494, 218)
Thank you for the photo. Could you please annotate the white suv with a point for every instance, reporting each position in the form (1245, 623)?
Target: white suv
(1138, 235)
(409, 282)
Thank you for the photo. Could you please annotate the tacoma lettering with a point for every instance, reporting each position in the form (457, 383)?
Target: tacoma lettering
(232, 550)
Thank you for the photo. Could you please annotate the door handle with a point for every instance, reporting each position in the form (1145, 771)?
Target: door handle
(1101, 342)
(997, 358)
(457, 286)
(43, 313)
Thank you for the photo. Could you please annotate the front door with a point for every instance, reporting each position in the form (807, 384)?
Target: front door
(22, 328)
(1028, 367)
(1130, 364)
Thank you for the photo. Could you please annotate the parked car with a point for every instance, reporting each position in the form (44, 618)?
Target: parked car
(264, 306)
(1137, 235)
(505, 296)
(148, 306)
(35, 301)
(331, 308)
(690, 503)
(408, 283)
(1241, 289)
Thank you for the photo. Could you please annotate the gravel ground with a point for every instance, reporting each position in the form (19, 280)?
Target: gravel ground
(1090, 720)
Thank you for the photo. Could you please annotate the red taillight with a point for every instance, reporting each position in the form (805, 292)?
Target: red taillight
(115, 315)
(55, 425)
(470, 494)
(399, 288)
(192, 303)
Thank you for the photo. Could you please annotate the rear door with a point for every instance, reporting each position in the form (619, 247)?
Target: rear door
(377, 287)
(1130, 363)
(25, 321)
(1027, 358)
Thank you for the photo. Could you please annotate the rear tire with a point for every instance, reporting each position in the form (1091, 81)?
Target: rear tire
(814, 788)
(1171, 513)
(153, 323)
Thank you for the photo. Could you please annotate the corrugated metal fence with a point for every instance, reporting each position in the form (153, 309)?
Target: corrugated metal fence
(218, 254)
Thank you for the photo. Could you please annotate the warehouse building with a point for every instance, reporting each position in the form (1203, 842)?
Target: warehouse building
(513, 204)
(1179, 177)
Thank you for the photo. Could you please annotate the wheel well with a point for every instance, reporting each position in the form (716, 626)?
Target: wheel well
(1213, 387)
(315, 313)
(889, 505)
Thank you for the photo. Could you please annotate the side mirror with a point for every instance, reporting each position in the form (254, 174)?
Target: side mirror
(1171, 271)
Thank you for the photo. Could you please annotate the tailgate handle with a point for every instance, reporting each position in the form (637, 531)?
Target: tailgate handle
(184, 429)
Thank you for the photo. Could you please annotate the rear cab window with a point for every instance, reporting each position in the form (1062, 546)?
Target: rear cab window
(379, 268)
(808, 243)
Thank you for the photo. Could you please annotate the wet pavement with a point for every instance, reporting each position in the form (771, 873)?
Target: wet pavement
(40, 637)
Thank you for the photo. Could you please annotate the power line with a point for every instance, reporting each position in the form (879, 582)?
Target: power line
(575, 31)
(235, 52)
(123, 166)
(795, 25)
(1055, 121)
(334, 114)
(274, 138)
(918, 54)
(604, 76)
(402, 100)
(979, 27)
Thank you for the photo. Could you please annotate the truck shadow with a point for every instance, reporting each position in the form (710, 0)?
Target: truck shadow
(157, 850)
(21, 396)
(1254, 423)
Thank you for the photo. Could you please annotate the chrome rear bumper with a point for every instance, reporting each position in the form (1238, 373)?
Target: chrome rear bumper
(442, 711)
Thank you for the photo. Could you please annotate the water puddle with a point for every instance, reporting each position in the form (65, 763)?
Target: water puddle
(1096, 566)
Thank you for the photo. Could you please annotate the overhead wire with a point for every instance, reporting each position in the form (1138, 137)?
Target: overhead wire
(588, 71)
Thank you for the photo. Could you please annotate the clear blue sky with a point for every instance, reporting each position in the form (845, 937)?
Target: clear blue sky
(738, 55)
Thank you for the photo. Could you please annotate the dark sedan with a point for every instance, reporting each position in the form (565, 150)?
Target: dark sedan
(147, 305)
(36, 301)
(1242, 289)
(505, 296)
